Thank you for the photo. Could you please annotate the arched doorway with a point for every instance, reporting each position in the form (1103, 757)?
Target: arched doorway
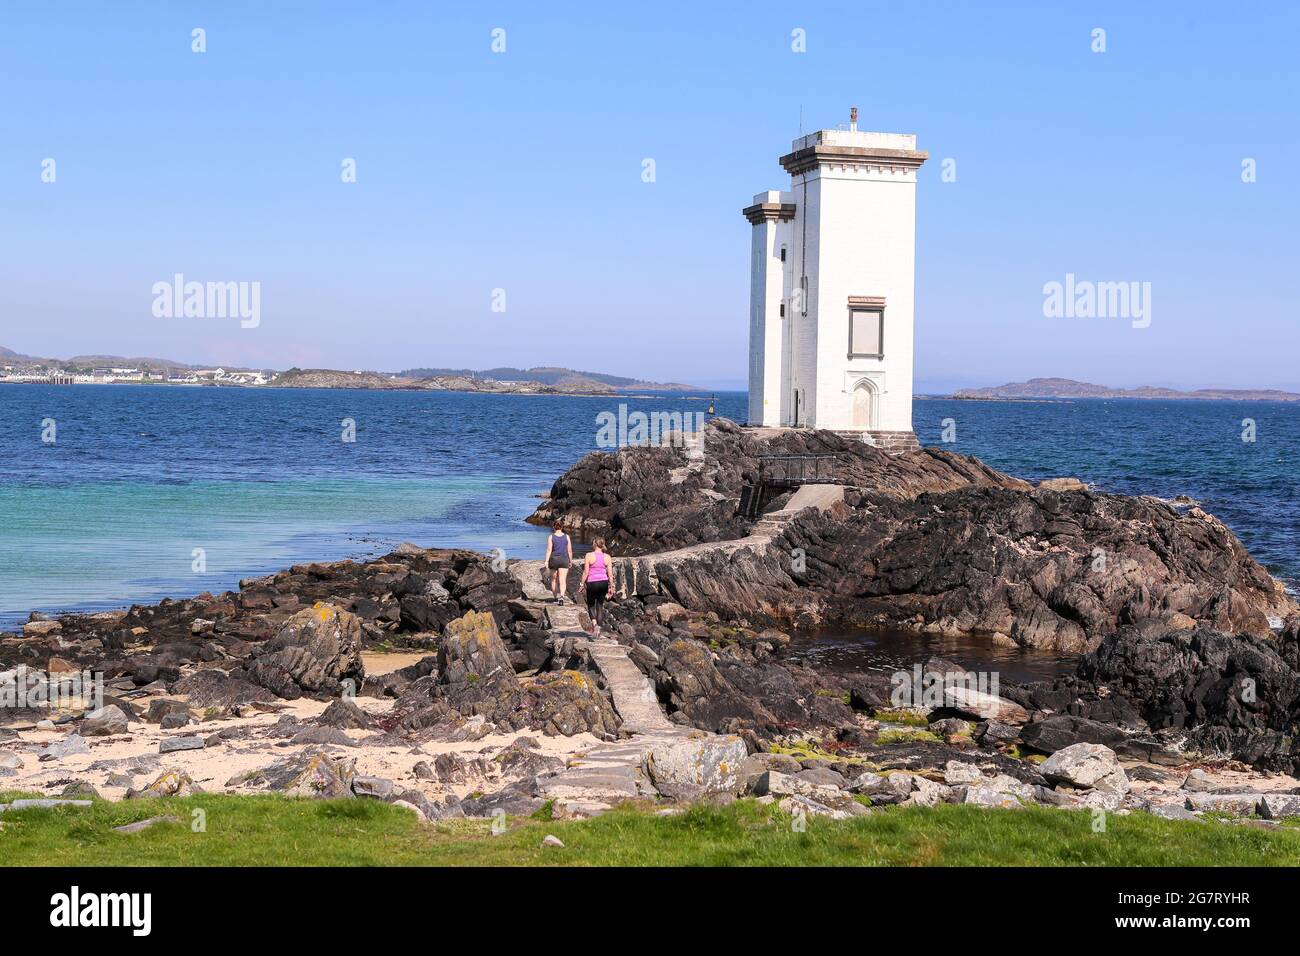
(864, 405)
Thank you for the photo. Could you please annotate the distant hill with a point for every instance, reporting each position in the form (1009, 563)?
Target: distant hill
(1069, 388)
(117, 361)
(329, 378)
(559, 380)
(548, 375)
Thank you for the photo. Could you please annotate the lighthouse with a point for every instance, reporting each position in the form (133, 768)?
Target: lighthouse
(832, 282)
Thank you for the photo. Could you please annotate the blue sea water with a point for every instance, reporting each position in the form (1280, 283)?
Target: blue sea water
(139, 477)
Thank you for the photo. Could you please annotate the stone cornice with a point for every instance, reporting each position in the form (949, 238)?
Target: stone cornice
(769, 212)
(866, 302)
(802, 160)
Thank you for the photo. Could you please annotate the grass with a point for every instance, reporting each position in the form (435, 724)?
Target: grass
(272, 830)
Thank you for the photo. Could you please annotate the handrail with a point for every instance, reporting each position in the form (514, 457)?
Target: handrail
(796, 468)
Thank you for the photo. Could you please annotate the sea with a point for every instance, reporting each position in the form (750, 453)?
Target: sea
(119, 494)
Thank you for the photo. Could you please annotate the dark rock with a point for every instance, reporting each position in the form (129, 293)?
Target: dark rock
(304, 775)
(314, 654)
(69, 745)
(172, 744)
(1061, 730)
(377, 788)
(105, 722)
(344, 714)
(214, 688)
(322, 737)
(518, 799)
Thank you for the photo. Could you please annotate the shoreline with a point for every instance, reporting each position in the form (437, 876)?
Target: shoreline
(642, 395)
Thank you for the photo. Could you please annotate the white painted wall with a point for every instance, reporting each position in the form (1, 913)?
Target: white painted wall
(867, 226)
(853, 234)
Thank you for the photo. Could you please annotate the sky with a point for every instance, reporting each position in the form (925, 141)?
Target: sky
(500, 214)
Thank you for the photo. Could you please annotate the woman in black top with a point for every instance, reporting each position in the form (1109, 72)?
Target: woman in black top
(559, 555)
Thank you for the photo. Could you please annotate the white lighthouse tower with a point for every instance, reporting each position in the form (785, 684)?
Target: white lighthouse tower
(832, 279)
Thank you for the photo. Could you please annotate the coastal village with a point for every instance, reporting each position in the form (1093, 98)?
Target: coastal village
(41, 374)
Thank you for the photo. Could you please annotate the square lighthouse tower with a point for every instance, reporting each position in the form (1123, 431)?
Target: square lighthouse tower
(832, 276)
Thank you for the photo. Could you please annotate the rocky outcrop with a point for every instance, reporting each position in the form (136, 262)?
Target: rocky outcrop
(476, 679)
(927, 539)
(303, 775)
(317, 654)
(649, 499)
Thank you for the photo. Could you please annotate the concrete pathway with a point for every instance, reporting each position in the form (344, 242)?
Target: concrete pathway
(617, 770)
(612, 771)
(639, 575)
(632, 693)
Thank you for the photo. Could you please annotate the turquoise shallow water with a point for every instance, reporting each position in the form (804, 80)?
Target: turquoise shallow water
(140, 476)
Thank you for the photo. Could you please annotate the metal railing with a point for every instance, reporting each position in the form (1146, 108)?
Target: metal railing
(796, 469)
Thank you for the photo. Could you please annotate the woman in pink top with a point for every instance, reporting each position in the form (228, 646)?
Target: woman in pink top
(597, 577)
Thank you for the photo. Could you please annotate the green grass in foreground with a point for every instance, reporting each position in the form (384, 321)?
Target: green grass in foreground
(271, 830)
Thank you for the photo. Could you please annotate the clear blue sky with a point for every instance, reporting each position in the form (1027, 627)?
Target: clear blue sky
(522, 171)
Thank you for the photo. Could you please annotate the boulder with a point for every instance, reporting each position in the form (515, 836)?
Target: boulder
(822, 777)
(1168, 811)
(927, 793)
(474, 670)
(105, 722)
(170, 783)
(1234, 804)
(67, 747)
(161, 707)
(958, 772)
(695, 764)
(303, 775)
(990, 733)
(883, 790)
(830, 803)
(1086, 766)
(1199, 781)
(344, 714)
(313, 654)
(174, 744)
(564, 704)
(976, 703)
(377, 788)
(985, 797)
(1063, 730)
(211, 688)
(1279, 806)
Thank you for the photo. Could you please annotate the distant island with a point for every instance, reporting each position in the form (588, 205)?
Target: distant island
(1069, 388)
(120, 370)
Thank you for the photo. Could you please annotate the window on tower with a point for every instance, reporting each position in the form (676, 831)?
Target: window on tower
(866, 331)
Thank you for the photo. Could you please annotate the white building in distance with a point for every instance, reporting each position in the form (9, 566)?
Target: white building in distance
(832, 279)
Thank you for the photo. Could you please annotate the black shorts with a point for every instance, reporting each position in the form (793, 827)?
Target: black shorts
(597, 591)
(558, 561)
